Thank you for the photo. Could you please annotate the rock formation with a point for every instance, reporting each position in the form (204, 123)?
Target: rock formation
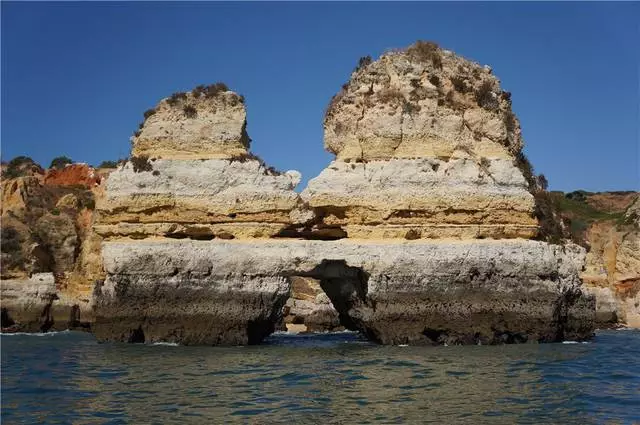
(191, 176)
(424, 219)
(209, 122)
(173, 193)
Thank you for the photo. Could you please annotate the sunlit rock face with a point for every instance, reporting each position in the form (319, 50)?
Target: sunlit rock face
(208, 122)
(426, 146)
(191, 176)
(172, 187)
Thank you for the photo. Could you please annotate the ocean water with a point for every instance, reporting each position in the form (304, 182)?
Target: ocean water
(330, 379)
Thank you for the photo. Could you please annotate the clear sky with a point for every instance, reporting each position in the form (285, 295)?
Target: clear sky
(76, 77)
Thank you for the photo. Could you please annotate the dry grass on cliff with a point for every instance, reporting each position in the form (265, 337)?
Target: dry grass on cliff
(426, 51)
(485, 97)
(141, 163)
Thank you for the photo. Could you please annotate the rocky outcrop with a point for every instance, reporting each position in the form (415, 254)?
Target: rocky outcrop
(208, 122)
(191, 177)
(418, 232)
(36, 304)
(419, 226)
(73, 174)
(173, 188)
(426, 146)
(198, 198)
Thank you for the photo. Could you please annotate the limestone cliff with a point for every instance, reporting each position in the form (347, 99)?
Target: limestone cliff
(426, 146)
(395, 292)
(191, 176)
(177, 190)
(429, 197)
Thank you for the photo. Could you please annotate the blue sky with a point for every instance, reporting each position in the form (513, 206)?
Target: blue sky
(76, 77)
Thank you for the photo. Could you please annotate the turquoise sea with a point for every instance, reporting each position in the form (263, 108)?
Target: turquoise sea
(68, 378)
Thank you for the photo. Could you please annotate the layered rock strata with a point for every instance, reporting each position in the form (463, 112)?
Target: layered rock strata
(208, 122)
(36, 304)
(191, 176)
(178, 191)
(426, 146)
(429, 197)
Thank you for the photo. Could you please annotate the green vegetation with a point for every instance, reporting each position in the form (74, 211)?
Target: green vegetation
(60, 162)
(435, 80)
(459, 84)
(575, 206)
(510, 120)
(176, 97)
(10, 239)
(149, 112)
(11, 248)
(109, 164)
(19, 166)
(542, 182)
(575, 212)
(86, 198)
(211, 90)
(141, 163)
(391, 95)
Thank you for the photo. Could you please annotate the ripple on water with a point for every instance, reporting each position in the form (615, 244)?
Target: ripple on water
(329, 378)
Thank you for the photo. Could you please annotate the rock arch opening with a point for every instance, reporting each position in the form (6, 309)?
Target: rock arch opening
(326, 298)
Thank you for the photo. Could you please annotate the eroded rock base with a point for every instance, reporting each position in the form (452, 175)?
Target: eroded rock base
(416, 292)
(35, 305)
(189, 307)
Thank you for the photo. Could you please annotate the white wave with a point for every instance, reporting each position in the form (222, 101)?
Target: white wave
(34, 333)
(403, 345)
(167, 344)
(305, 333)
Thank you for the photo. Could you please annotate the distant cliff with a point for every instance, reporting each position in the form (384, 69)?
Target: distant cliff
(608, 224)
(50, 255)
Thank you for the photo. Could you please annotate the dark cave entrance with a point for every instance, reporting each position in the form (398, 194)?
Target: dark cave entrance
(326, 298)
